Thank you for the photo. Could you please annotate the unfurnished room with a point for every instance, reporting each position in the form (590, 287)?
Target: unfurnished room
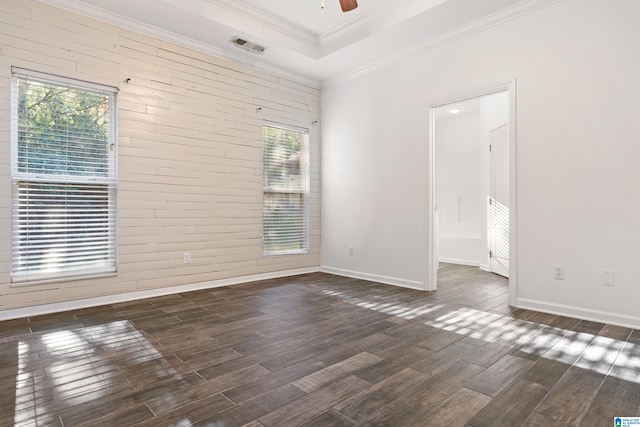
(316, 213)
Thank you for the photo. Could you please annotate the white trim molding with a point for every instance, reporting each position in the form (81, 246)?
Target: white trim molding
(396, 281)
(520, 9)
(469, 262)
(99, 14)
(579, 313)
(35, 310)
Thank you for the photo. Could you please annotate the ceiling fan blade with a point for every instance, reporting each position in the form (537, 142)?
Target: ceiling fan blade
(348, 5)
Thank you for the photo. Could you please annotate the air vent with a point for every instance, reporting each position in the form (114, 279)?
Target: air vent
(248, 46)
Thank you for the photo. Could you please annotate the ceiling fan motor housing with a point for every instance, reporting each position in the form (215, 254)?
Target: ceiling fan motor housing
(348, 5)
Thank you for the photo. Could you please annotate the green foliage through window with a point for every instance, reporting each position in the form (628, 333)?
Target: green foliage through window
(63, 174)
(285, 190)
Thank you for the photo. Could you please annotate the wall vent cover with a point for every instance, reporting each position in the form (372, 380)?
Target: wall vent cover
(248, 46)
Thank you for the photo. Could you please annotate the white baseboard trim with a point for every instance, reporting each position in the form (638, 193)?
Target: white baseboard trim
(35, 310)
(460, 261)
(411, 284)
(484, 267)
(580, 313)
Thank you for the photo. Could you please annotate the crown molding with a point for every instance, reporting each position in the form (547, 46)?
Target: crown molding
(478, 25)
(374, 18)
(89, 11)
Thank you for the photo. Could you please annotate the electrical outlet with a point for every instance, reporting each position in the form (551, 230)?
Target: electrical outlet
(350, 250)
(558, 272)
(186, 258)
(608, 277)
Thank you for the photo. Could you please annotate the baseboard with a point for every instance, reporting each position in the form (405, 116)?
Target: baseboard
(580, 313)
(35, 310)
(460, 261)
(411, 284)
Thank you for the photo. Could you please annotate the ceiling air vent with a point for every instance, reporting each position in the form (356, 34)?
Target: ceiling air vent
(248, 46)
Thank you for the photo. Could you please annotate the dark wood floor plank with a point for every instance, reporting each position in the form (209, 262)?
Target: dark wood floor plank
(126, 416)
(615, 332)
(190, 413)
(620, 394)
(333, 372)
(440, 386)
(314, 403)
(246, 412)
(328, 419)
(359, 406)
(348, 349)
(569, 399)
(511, 407)
(490, 353)
(546, 372)
(438, 339)
(497, 377)
(538, 420)
(457, 409)
(599, 415)
(392, 365)
(318, 350)
(401, 411)
(266, 383)
(172, 400)
(445, 358)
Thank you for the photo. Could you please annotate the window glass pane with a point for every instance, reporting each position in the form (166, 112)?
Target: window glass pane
(64, 181)
(285, 181)
(62, 130)
(284, 225)
(62, 228)
(283, 158)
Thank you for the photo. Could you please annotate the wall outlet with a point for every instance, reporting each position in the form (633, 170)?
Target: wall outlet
(186, 258)
(350, 250)
(607, 277)
(558, 272)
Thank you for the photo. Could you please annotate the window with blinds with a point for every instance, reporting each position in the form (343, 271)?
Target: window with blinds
(63, 169)
(285, 190)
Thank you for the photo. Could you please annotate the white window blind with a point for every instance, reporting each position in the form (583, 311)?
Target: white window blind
(285, 190)
(64, 181)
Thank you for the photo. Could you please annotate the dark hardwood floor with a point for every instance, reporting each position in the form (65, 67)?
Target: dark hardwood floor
(319, 350)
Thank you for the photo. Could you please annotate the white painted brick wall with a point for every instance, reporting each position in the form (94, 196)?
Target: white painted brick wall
(190, 152)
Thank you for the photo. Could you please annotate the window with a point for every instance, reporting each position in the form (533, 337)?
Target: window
(285, 190)
(63, 170)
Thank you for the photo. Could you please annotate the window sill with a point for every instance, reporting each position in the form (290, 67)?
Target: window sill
(286, 253)
(21, 284)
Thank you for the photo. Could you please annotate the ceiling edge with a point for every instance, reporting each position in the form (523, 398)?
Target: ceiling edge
(276, 24)
(168, 36)
(353, 25)
(523, 8)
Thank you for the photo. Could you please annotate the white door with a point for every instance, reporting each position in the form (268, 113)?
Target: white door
(498, 201)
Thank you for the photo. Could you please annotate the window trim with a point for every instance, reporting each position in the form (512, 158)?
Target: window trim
(16, 176)
(305, 192)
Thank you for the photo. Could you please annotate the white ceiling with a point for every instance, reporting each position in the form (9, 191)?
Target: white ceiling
(302, 40)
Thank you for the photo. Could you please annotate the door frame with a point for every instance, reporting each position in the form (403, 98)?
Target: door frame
(432, 237)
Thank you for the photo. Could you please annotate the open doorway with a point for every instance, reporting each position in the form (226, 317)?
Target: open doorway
(473, 183)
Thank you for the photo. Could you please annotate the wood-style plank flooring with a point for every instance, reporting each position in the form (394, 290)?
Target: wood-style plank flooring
(319, 350)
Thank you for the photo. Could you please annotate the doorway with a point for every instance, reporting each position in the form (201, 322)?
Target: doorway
(472, 201)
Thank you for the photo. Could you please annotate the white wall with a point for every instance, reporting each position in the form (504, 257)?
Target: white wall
(459, 186)
(577, 67)
(190, 153)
